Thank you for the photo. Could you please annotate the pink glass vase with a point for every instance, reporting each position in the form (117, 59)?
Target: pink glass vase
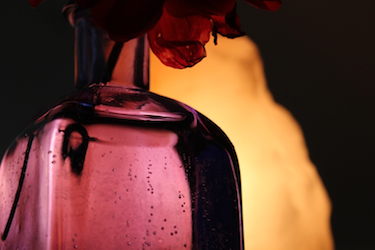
(115, 166)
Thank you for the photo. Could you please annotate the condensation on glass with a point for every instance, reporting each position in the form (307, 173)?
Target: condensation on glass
(114, 166)
(110, 168)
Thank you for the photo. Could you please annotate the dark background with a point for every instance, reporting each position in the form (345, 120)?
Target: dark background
(319, 61)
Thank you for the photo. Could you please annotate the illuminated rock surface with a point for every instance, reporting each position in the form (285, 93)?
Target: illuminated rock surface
(285, 205)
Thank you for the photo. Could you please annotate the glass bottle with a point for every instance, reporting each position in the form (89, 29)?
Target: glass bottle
(114, 166)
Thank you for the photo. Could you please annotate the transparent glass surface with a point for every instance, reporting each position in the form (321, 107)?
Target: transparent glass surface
(120, 168)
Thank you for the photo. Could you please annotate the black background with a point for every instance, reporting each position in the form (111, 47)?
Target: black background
(319, 61)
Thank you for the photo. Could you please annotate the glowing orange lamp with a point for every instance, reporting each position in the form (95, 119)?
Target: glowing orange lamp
(285, 205)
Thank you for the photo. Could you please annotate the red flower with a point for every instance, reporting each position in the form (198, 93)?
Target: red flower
(177, 29)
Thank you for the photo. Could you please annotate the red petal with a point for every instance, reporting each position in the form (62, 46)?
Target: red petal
(179, 42)
(85, 4)
(181, 8)
(34, 3)
(228, 25)
(270, 5)
(127, 19)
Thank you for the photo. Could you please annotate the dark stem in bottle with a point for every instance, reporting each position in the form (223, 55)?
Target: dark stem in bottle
(19, 189)
(98, 59)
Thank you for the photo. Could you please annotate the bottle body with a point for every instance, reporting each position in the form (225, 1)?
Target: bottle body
(120, 168)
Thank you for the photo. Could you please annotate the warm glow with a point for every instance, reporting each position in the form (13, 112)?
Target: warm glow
(285, 205)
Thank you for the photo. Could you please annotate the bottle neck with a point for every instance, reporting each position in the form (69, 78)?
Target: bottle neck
(98, 59)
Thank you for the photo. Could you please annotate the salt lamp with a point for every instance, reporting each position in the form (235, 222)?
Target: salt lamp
(285, 205)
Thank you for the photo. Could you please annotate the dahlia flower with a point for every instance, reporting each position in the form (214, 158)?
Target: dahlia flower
(177, 29)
